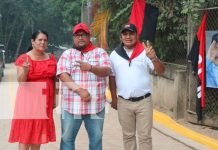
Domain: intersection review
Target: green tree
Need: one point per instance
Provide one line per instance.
(20, 18)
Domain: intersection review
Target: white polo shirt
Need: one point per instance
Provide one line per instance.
(133, 80)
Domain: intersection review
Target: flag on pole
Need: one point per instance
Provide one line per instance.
(137, 14)
(144, 16)
(197, 57)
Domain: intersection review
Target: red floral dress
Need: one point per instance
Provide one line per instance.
(33, 129)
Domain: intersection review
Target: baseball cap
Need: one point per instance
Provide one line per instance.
(215, 37)
(81, 26)
(129, 27)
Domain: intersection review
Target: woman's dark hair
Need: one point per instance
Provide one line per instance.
(34, 36)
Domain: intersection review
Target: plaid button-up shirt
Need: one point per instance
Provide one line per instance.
(96, 85)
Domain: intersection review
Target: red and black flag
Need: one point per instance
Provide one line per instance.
(197, 57)
(144, 16)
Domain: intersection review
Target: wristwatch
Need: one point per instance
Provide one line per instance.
(155, 58)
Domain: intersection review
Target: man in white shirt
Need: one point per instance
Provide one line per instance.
(130, 87)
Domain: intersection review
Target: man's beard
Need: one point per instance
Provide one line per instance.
(80, 48)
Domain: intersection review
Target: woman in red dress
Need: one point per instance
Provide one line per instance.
(33, 123)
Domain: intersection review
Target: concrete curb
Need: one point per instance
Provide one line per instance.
(168, 126)
(175, 136)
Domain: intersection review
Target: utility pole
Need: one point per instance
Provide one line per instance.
(89, 12)
(82, 11)
(1, 30)
(86, 11)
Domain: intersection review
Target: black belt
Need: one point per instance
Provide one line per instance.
(135, 99)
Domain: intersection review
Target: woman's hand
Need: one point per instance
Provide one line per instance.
(26, 65)
(22, 71)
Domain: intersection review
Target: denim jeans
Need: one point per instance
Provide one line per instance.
(70, 125)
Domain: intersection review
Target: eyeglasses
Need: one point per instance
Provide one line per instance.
(80, 35)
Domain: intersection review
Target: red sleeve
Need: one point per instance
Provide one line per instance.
(19, 61)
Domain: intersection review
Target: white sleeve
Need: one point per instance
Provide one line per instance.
(149, 63)
(112, 64)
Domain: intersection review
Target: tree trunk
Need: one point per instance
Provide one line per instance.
(10, 34)
(20, 42)
(32, 26)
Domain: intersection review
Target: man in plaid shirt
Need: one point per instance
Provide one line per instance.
(83, 70)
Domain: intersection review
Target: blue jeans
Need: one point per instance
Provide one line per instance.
(70, 125)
